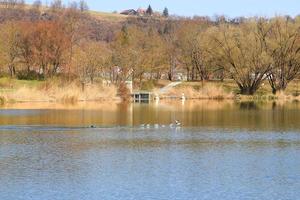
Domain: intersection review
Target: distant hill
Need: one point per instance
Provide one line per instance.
(105, 16)
(114, 17)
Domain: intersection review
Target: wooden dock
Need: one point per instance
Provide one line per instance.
(141, 97)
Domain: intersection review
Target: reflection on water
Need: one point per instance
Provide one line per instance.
(249, 105)
(225, 150)
(220, 114)
(133, 163)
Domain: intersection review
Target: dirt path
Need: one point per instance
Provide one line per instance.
(168, 87)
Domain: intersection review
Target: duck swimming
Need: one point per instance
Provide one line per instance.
(176, 124)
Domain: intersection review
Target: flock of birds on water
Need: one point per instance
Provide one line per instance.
(176, 124)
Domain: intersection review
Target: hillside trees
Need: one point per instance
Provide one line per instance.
(68, 41)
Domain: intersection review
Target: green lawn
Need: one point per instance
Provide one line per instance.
(12, 84)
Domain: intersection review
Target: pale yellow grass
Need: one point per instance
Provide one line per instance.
(91, 105)
(206, 92)
(68, 93)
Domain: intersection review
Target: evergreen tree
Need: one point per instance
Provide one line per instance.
(166, 12)
(149, 11)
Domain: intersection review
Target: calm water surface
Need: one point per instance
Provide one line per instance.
(224, 150)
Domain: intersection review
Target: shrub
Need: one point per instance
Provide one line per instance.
(147, 85)
(2, 100)
(123, 91)
(31, 75)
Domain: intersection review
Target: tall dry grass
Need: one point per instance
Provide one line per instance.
(60, 92)
(102, 105)
(206, 92)
(2, 100)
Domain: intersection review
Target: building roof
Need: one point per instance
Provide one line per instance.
(129, 12)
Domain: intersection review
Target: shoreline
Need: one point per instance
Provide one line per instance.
(107, 102)
(61, 92)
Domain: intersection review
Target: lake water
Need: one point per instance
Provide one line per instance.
(223, 150)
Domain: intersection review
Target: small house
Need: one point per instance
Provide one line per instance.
(129, 12)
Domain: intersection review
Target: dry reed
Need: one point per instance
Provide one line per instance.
(206, 92)
(57, 92)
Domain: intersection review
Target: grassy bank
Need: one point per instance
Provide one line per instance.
(227, 89)
(58, 90)
(54, 90)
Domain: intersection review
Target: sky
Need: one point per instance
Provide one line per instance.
(230, 8)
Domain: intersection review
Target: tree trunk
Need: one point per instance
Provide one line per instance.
(12, 70)
(247, 90)
(82, 86)
(170, 76)
(280, 87)
(188, 76)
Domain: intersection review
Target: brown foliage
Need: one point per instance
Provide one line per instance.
(123, 91)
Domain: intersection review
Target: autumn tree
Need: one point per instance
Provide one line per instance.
(153, 55)
(73, 22)
(126, 56)
(25, 45)
(170, 37)
(192, 43)
(50, 45)
(90, 60)
(9, 46)
(139, 54)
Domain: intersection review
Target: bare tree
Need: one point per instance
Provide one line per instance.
(242, 53)
(283, 45)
